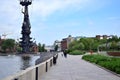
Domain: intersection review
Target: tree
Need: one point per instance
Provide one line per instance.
(56, 47)
(114, 45)
(114, 38)
(41, 47)
(88, 43)
(81, 46)
(8, 44)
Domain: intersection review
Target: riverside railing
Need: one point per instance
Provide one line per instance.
(34, 72)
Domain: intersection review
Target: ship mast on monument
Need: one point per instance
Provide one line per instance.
(26, 42)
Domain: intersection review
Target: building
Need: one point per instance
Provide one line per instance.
(1, 40)
(49, 48)
(102, 36)
(78, 37)
(105, 37)
(35, 48)
(65, 42)
(98, 37)
(57, 43)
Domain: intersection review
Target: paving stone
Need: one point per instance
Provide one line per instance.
(74, 68)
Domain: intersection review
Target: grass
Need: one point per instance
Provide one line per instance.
(110, 63)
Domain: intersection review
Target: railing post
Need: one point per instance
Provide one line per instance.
(36, 73)
(46, 66)
(51, 63)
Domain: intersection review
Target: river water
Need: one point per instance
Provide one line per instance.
(12, 64)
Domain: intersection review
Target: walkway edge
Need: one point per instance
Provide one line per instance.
(104, 68)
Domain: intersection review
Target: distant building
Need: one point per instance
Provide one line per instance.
(1, 40)
(49, 48)
(98, 37)
(57, 43)
(35, 48)
(105, 36)
(102, 36)
(65, 42)
(78, 37)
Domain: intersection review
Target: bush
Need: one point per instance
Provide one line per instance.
(76, 52)
(96, 58)
(110, 63)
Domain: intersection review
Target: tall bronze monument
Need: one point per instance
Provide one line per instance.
(26, 42)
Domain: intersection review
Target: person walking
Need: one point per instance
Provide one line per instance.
(65, 54)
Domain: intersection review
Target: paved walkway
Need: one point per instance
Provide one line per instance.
(74, 68)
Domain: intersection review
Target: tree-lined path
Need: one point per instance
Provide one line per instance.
(74, 68)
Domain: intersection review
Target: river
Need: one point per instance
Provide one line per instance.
(12, 64)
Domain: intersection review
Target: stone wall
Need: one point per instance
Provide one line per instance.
(33, 73)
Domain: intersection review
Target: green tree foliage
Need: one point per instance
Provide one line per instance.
(56, 47)
(41, 47)
(87, 44)
(113, 45)
(8, 44)
(114, 38)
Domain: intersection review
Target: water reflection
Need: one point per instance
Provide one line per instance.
(11, 64)
(26, 62)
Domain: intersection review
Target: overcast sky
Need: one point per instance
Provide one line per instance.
(56, 19)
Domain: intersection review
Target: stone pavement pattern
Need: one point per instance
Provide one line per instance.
(74, 68)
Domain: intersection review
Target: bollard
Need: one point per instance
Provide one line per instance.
(54, 60)
(16, 79)
(46, 66)
(51, 63)
(36, 78)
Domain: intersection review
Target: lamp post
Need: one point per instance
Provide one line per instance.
(107, 44)
(26, 42)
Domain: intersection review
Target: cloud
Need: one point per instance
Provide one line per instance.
(114, 18)
(90, 23)
(45, 8)
(11, 17)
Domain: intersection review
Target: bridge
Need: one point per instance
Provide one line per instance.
(70, 68)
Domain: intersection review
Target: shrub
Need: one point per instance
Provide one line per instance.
(76, 52)
(96, 58)
(110, 63)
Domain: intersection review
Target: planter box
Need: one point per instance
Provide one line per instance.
(113, 53)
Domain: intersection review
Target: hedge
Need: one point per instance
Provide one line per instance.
(76, 52)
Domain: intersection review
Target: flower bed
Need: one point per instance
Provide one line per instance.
(113, 53)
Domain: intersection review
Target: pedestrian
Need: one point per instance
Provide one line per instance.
(55, 59)
(65, 54)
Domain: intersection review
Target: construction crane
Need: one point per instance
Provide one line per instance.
(4, 35)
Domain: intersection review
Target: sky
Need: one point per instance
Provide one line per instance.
(56, 19)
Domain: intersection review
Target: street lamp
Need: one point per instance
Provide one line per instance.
(107, 45)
